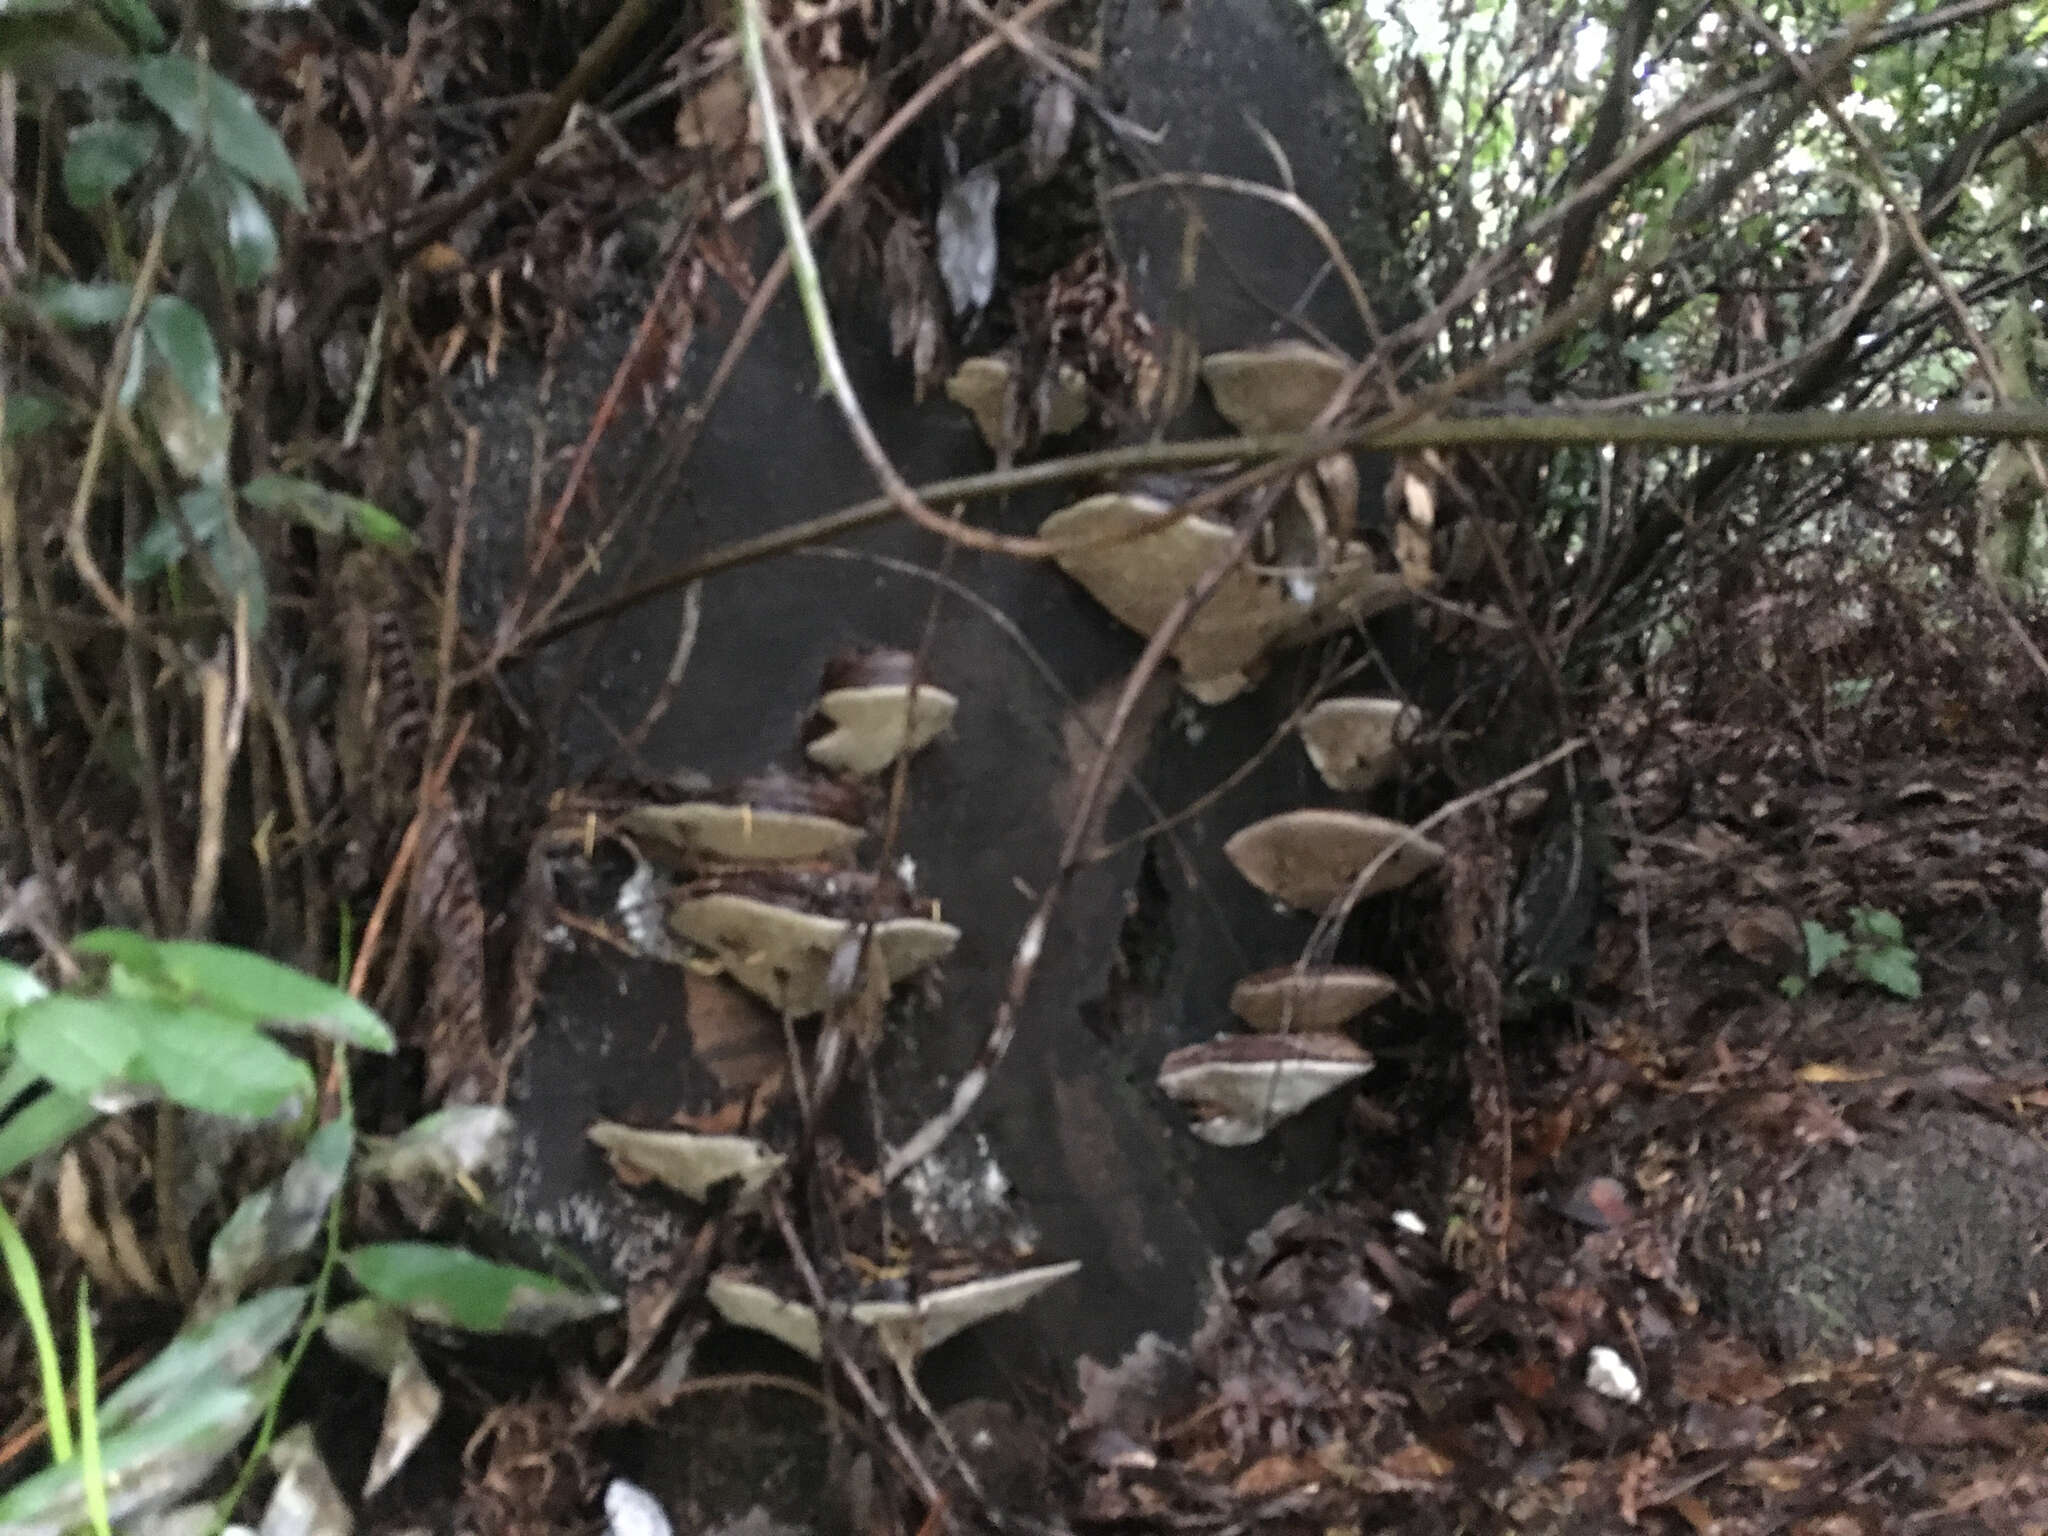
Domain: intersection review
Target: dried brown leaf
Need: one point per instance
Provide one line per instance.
(1768, 935)
(449, 910)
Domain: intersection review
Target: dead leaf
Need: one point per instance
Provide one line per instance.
(81, 1235)
(1770, 936)
(1052, 128)
(718, 116)
(1275, 1474)
(1727, 1370)
(1414, 1467)
(1782, 1475)
(1835, 1072)
(832, 93)
(439, 259)
(1695, 1513)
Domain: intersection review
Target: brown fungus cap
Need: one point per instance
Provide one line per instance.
(690, 1161)
(1309, 858)
(873, 710)
(779, 938)
(1141, 579)
(983, 386)
(774, 817)
(1354, 743)
(1308, 1001)
(1281, 387)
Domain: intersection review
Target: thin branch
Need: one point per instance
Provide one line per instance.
(810, 287)
(1752, 431)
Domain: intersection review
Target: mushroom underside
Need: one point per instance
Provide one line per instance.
(1241, 1088)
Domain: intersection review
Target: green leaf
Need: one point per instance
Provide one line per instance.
(132, 379)
(1824, 946)
(92, 1471)
(60, 46)
(463, 1141)
(234, 1346)
(1894, 968)
(35, 1128)
(243, 983)
(28, 1293)
(199, 102)
(282, 1220)
(377, 527)
(16, 1083)
(163, 543)
(125, 947)
(137, 20)
(1876, 924)
(303, 500)
(29, 413)
(220, 215)
(80, 1043)
(373, 525)
(197, 440)
(325, 511)
(220, 1066)
(183, 340)
(103, 157)
(454, 1288)
(154, 1463)
(80, 305)
(251, 237)
(241, 573)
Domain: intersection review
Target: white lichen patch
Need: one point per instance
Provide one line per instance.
(960, 1197)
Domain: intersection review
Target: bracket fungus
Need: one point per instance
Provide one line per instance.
(1140, 579)
(1280, 387)
(1309, 1001)
(779, 933)
(873, 710)
(984, 386)
(1355, 743)
(1242, 1086)
(772, 818)
(905, 1329)
(1309, 858)
(694, 1163)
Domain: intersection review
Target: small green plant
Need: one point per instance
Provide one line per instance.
(1874, 948)
(183, 1021)
(177, 172)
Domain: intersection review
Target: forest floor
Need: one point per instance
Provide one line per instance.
(1776, 1259)
(1779, 1183)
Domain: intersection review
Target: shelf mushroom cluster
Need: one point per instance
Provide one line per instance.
(770, 893)
(771, 896)
(1137, 555)
(1241, 1087)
